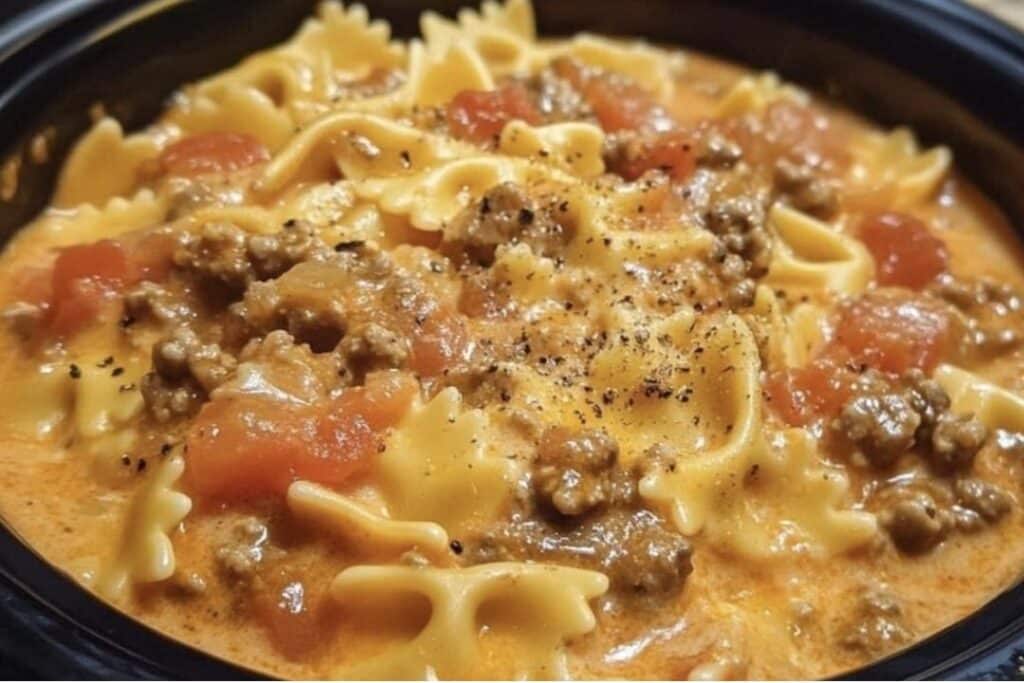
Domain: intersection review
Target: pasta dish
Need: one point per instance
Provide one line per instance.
(488, 356)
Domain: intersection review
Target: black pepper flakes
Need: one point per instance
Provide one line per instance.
(74, 371)
(117, 372)
(456, 546)
(349, 245)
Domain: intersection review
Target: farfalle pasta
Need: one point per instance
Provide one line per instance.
(480, 355)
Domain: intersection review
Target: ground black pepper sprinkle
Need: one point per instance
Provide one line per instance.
(74, 371)
(456, 546)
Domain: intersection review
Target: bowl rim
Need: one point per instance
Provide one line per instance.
(36, 40)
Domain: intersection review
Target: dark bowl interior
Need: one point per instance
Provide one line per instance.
(955, 75)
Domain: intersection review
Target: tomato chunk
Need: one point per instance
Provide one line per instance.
(802, 395)
(85, 277)
(894, 333)
(480, 115)
(440, 343)
(905, 251)
(248, 447)
(218, 152)
(668, 152)
(617, 102)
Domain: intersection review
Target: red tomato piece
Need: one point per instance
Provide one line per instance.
(240, 448)
(905, 251)
(84, 279)
(668, 152)
(802, 395)
(212, 153)
(618, 103)
(439, 344)
(480, 115)
(894, 334)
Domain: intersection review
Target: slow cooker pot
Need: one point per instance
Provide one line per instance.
(952, 73)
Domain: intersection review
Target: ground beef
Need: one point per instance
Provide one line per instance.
(277, 363)
(185, 371)
(224, 255)
(715, 150)
(504, 215)
(574, 471)
(956, 440)
(741, 252)
(888, 418)
(989, 313)
(636, 549)
(359, 304)
(373, 347)
(798, 185)
(921, 512)
(150, 301)
(243, 550)
(928, 399)
(882, 426)
(914, 521)
(585, 511)
(876, 625)
(987, 500)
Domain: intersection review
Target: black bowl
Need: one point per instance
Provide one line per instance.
(952, 73)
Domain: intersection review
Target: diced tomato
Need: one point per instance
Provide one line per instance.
(802, 395)
(104, 262)
(82, 303)
(894, 333)
(618, 103)
(85, 278)
(440, 343)
(669, 152)
(480, 115)
(218, 152)
(905, 251)
(789, 129)
(240, 448)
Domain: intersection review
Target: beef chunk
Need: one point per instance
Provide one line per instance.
(886, 419)
(881, 425)
(638, 551)
(150, 301)
(803, 189)
(185, 371)
(504, 215)
(585, 511)
(573, 471)
(987, 500)
(914, 521)
(239, 557)
(741, 252)
(990, 313)
(928, 399)
(876, 625)
(956, 439)
(225, 255)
